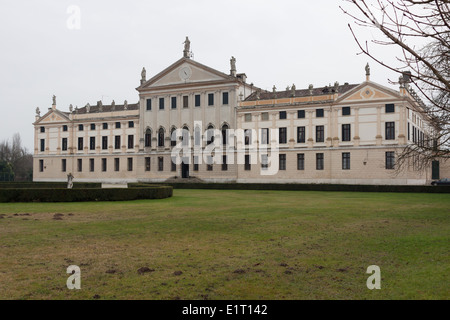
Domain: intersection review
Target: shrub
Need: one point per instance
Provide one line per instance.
(307, 187)
(48, 185)
(83, 194)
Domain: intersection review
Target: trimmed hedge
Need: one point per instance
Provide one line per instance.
(73, 195)
(306, 187)
(47, 185)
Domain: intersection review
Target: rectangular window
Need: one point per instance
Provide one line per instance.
(264, 161)
(147, 164)
(80, 143)
(104, 143)
(91, 143)
(345, 160)
(390, 130)
(42, 145)
(301, 114)
(224, 163)
(265, 136)
(42, 129)
(247, 136)
(264, 116)
(161, 103)
(185, 102)
(282, 163)
(64, 144)
(225, 98)
(283, 115)
(173, 102)
(149, 104)
(80, 127)
(130, 124)
(104, 164)
(195, 163)
(130, 164)
(319, 161)
(282, 138)
(319, 113)
(80, 165)
(346, 132)
(346, 111)
(301, 135)
(117, 125)
(210, 99)
(197, 100)
(64, 128)
(160, 164)
(130, 141)
(105, 126)
(209, 163)
(247, 165)
(91, 165)
(320, 134)
(92, 126)
(390, 108)
(390, 160)
(116, 164)
(41, 165)
(63, 165)
(300, 161)
(117, 142)
(248, 117)
(173, 165)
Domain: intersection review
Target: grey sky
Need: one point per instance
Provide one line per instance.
(274, 42)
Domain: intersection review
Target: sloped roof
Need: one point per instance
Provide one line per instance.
(266, 95)
(106, 108)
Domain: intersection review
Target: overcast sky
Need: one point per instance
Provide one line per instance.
(274, 42)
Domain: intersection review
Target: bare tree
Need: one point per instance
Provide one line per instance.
(420, 29)
(13, 155)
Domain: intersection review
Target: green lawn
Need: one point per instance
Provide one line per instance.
(211, 244)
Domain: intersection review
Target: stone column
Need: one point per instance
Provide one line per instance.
(356, 138)
(379, 137)
(310, 129)
(292, 129)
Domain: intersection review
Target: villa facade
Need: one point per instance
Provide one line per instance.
(227, 130)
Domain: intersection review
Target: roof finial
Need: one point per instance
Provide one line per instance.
(143, 76)
(187, 48)
(367, 72)
(233, 66)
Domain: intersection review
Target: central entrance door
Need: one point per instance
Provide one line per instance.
(184, 170)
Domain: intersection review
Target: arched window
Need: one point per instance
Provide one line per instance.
(173, 138)
(161, 137)
(225, 134)
(197, 136)
(148, 138)
(185, 136)
(210, 134)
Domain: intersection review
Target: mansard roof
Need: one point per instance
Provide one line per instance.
(267, 95)
(106, 108)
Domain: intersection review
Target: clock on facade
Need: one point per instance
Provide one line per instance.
(185, 73)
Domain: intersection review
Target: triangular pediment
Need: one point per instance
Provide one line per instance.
(369, 91)
(53, 115)
(185, 71)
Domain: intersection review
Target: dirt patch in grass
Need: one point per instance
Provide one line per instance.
(144, 270)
